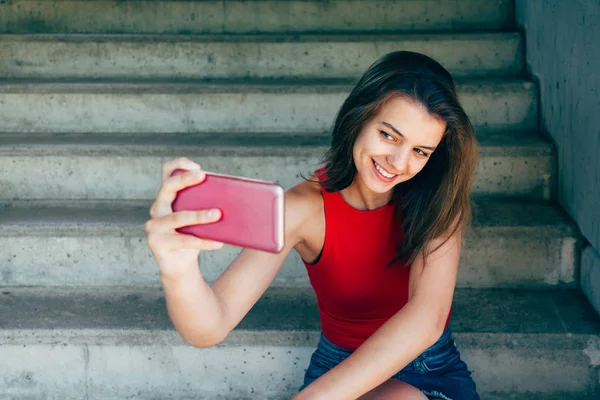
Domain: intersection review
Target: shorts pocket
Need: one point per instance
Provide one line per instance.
(440, 358)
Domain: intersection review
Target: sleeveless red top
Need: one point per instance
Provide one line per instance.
(356, 292)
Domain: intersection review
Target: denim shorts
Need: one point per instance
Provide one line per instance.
(438, 372)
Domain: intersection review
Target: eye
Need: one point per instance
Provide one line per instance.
(421, 152)
(386, 135)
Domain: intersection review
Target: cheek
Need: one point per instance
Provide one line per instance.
(416, 165)
(365, 150)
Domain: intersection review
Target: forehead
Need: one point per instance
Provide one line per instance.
(412, 120)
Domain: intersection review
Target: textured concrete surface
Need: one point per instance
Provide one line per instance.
(128, 167)
(590, 276)
(564, 57)
(281, 56)
(511, 244)
(566, 67)
(108, 342)
(198, 107)
(287, 310)
(184, 16)
(119, 342)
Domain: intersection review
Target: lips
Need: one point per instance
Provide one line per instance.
(380, 175)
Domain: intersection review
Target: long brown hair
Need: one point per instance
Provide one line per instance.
(434, 203)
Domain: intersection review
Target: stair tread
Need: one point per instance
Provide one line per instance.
(259, 38)
(560, 313)
(173, 86)
(126, 217)
(251, 16)
(269, 144)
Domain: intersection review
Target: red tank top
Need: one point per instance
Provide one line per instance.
(355, 291)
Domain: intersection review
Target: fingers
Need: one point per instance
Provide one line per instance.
(163, 240)
(171, 185)
(181, 181)
(180, 163)
(177, 241)
(172, 221)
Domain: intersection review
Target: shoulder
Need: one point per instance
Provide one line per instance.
(305, 197)
(303, 203)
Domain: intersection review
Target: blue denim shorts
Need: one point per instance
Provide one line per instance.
(438, 372)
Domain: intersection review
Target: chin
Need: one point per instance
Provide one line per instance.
(378, 186)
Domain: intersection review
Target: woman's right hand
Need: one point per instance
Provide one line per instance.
(176, 252)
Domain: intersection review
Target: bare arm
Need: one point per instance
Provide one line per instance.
(404, 336)
(205, 315)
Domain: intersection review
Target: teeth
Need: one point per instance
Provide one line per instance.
(383, 171)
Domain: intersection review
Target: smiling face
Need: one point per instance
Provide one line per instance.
(394, 146)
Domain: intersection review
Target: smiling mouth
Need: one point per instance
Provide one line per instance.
(382, 171)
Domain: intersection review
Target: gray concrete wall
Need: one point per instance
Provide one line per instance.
(563, 54)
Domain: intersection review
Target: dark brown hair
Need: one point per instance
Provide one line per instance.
(434, 203)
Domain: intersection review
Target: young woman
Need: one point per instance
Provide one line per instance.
(379, 228)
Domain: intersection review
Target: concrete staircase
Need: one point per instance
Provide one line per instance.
(96, 95)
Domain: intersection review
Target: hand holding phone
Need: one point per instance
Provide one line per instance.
(252, 211)
(177, 254)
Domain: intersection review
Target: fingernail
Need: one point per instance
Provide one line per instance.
(214, 213)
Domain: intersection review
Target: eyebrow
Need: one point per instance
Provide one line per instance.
(401, 135)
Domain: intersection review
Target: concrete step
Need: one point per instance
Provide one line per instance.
(243, 57)
(103, 243)
(98, 343)
(248, 16)
(258, 106)
(115, 166)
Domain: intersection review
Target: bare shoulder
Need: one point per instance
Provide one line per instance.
(305, 216)
(304, 198)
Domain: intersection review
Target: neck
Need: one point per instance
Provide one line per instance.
(361, 198)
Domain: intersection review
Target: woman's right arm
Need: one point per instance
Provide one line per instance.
(204, 314)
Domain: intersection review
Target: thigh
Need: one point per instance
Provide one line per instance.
(394, 390)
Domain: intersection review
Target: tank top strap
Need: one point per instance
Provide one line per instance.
(329, 198)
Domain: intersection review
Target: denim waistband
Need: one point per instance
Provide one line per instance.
(327, 345)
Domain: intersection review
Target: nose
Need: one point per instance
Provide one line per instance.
(399, 160)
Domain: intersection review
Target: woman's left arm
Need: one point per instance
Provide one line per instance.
(413, 329)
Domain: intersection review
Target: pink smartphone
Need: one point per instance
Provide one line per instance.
(252, 211)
